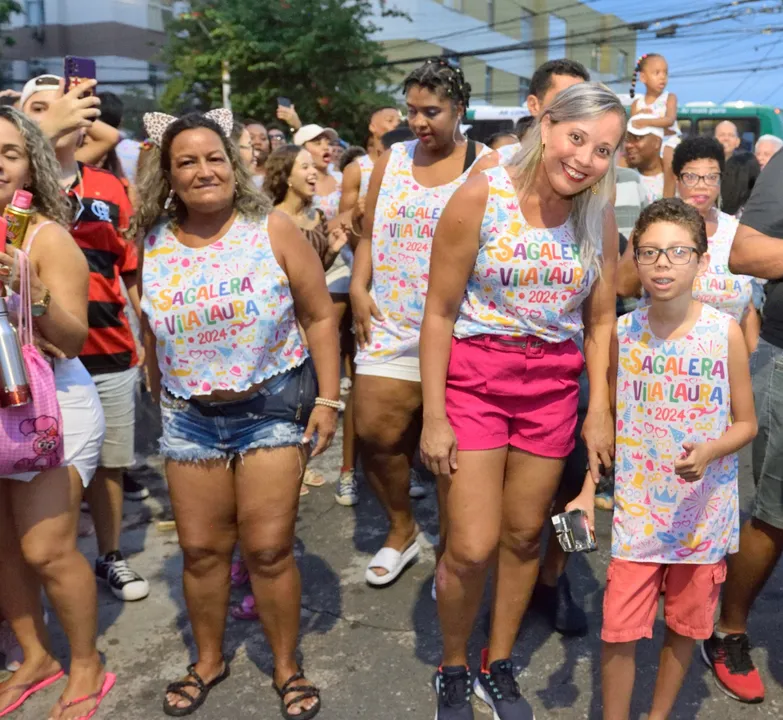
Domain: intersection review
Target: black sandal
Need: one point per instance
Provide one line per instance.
(196, 701)
(304, 692)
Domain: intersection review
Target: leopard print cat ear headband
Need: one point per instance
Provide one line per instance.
(156, 123)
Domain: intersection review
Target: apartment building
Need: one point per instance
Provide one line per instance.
(124, 37)
(547, 29)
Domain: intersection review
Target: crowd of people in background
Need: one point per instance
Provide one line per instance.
(497, 316)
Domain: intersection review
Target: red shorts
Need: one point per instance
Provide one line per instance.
(517, 391)
(634, 588)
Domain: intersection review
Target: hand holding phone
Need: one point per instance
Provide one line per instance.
(78, 70)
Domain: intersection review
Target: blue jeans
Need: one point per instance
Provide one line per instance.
(766, 366)
(191, 436)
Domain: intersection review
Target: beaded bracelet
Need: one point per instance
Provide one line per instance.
(334, 404)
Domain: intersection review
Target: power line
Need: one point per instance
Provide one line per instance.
(545, 42)
(502, 23)
(747, 77)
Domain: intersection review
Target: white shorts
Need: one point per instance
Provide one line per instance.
(404, 367)
(83, 424)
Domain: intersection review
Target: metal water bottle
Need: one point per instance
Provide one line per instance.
(14, 384)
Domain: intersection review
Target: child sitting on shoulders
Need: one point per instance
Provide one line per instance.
(653, 72)
(684, 407)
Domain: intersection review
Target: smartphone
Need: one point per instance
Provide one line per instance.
(284, 102)
(3, 233)
(77, 70)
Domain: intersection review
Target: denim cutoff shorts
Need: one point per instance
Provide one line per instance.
(191, 436)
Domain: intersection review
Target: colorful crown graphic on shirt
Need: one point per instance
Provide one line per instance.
(665, 497)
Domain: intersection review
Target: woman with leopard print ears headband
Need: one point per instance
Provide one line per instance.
(225, 279)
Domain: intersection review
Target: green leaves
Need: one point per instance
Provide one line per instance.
(299, 49)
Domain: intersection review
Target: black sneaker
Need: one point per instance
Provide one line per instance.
(497, 687)
(132, 489)
(558, 605)
(454, 691)
(116, 573)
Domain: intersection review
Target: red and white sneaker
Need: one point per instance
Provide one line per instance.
(733, 668)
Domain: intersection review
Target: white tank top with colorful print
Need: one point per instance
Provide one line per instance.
(526, 280)
(406, 215)
(670, 392)
(365, 167)
(330, 204)
(222, 315)
(718, 286)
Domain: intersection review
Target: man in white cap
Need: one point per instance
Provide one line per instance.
(75, 110)
(643, 153)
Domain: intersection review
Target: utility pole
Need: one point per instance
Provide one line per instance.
(225, 68)
(226, 77)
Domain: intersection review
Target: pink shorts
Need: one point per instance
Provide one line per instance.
(518, 391)
(634, 588)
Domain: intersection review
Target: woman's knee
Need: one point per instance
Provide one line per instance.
(469, 556)
(48, 556)
(202, 557)
(523, 540)
(269, 559)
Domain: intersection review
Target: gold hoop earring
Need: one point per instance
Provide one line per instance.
(543, 147)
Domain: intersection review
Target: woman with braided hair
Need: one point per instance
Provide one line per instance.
(410, 185)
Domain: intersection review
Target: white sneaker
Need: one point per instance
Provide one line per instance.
(418, 488)
(347, 493)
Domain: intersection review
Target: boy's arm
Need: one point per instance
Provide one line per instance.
(585, 500)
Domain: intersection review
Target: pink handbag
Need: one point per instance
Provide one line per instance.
(31, 436)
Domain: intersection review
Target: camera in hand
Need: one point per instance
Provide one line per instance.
(573, 531)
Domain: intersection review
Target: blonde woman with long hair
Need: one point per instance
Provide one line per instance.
(523, 261)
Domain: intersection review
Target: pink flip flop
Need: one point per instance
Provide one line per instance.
(108, 683)
(30, 689)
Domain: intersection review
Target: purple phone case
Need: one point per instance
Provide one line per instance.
(78, 69)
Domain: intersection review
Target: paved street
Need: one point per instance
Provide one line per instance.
(371, 651)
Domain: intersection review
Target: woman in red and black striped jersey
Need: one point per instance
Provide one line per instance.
(39, 511)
